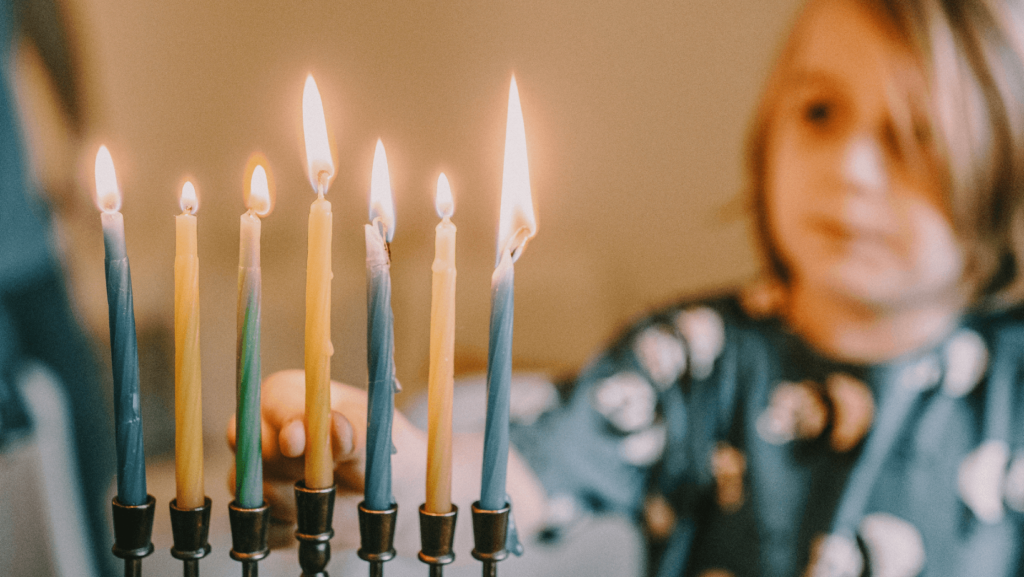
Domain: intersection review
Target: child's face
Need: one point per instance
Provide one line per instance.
(854, 207)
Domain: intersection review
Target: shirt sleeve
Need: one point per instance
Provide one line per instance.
(595, 449)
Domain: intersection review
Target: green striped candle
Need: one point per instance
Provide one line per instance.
(248, 456)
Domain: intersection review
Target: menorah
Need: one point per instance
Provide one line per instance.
(133, 529)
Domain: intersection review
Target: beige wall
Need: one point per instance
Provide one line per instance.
(635, 116)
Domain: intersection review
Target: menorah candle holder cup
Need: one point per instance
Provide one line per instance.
(133, 532)
(437, 533)
(249, 536)
(315, 509)
(191, 530)
(377, 537)
(490, 531)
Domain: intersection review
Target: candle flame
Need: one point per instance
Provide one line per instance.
(319, 163)
(108, 197)
(443, 201)
(259, 192)
(188, 200)
(517, 223)
(381, 204)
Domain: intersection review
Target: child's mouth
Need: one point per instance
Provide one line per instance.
(845, 234)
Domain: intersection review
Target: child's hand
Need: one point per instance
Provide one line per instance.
(284, 440)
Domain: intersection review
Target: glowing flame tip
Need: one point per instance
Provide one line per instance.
(443, 202)
(319, 162)
(381, 204)
(259, 192)
(188, 200)
(518, 222)
(108, 196)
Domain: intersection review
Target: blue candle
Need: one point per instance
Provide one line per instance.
(517, 224)
(131, 460)
(499, 379)
(380, 338)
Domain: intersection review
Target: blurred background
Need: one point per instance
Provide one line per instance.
(635, 113)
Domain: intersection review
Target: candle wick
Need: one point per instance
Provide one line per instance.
(321, 183)
(382, 230)
(517, 243)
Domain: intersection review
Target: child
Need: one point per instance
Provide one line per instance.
(861, 413)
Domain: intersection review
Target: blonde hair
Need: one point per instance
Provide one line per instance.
(972, 53)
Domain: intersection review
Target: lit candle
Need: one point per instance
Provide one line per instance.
(380, 337)
(442, 356)
(131, 461)
(320, 167)
(248, 456)
(188, 379)
(517, 225)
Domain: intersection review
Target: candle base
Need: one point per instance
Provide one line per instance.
(490, 531)
(133, 531)
(315, 515)
(377, 537)
(249, 536)
(437, 532)
(191, 530)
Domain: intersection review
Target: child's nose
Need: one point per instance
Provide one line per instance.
(864, 167)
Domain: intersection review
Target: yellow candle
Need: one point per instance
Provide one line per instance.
(320, 166)
(188, 401)
(442, 356)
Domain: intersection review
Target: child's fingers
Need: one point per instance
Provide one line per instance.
(292, 439)
(231, 432)
(283, 397)
(231, 481)
(342, 438)
(268, 440)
